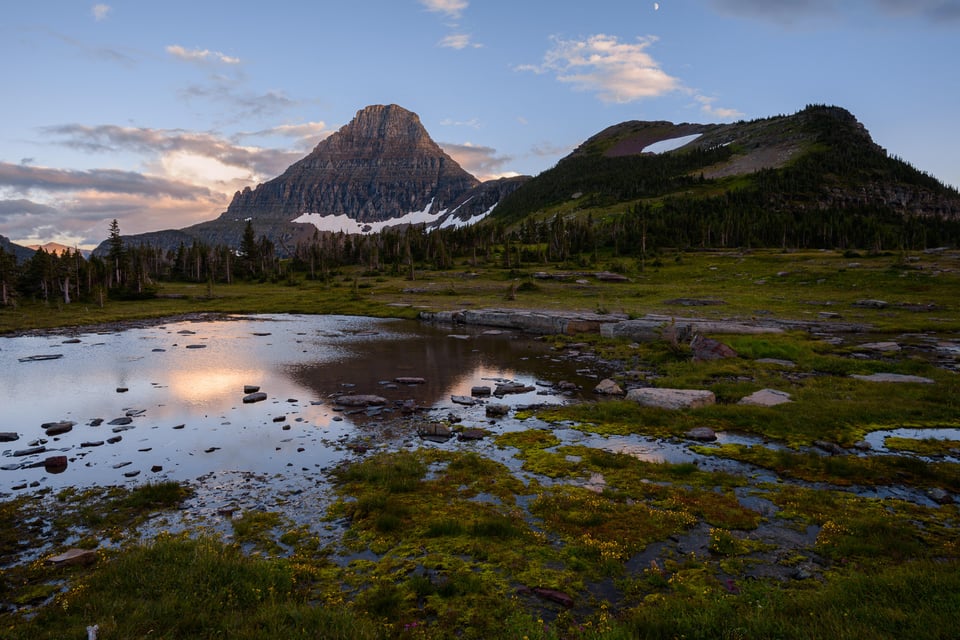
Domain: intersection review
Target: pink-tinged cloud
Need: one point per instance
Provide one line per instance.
(617, 72)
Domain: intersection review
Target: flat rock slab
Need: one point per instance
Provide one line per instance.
(464, 400)
(672, 398)
(893, 377)
(886, 347)
(766, 398)
(9, 436)
(360, 401)
(74, 557)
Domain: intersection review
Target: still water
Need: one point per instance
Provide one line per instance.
(182, 385)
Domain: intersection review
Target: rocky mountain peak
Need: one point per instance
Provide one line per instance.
(381, 165)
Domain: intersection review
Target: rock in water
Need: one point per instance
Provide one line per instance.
(250, 398)
(360, 401)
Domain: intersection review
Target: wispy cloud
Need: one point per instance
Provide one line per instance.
(24, 179)
(707, 107)
(616, 71)
(458, 41)
(100, 11)
(482, 162)
(473, 123)
(451, 8)
(200, 55)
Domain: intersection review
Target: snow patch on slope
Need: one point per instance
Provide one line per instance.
(346, 224)
(669, 145)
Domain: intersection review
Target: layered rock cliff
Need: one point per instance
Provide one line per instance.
(382, 165)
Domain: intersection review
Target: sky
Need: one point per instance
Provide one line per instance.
(155, 113)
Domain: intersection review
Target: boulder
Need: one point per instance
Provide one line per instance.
(766, 398)
(672, 398)
(472, 434)
(55, 464)
(702, 434)
(505, 388)
(608, 387)
(710, 349)
(250, 398)
(56, 428)
(480, 392)
(497, 410)
(250, 388)
(9, 436)
(436, 431)
(464, 400)
(360, 400)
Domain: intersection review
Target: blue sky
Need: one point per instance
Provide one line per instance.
(155, 113)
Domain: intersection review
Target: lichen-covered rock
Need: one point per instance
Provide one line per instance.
(608, 387)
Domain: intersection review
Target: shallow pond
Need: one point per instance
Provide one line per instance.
(182, 387)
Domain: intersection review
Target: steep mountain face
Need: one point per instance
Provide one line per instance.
(382, 165)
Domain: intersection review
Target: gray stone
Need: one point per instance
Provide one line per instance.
(709, 349)
(672, 398)
(29, 452)
(481, 391)
(250, 388)
(766, 398)
(434, 431)
(360, 400)
(497, 410)
(9, 436)
(409, 380)
(608, 388)
(125, 420)
(703, 434)
(886, 347)
(939, 496)
(871, 304)
(73, 557)
(254, 397)
(893, 377)
(775, 361)
(464, 400)
(505, 388)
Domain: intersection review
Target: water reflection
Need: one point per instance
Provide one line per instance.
(183, 384)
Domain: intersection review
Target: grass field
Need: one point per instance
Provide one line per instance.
(785, 541)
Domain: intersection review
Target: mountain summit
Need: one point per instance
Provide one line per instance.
(382, 165)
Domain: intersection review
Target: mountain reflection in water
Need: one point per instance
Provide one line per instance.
(188, 378)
